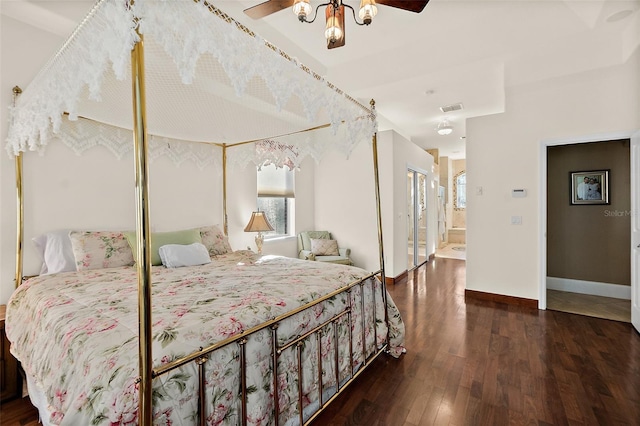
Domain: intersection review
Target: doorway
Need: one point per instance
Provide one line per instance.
(416, 218)
(587, 263)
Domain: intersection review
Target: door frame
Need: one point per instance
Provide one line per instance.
(542, 240)
(411, 168)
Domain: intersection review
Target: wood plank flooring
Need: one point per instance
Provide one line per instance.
(486, 363)
(482, 363)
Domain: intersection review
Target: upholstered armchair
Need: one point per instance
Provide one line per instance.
(318, 245)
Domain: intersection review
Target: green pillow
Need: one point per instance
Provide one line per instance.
(159, 239)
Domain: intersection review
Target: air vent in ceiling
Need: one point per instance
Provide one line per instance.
(452, 107)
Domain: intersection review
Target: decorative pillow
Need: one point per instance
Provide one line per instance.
(56, 252)
(100, 249)
(214, 240)
(177, 255)
(323, 247)
(159, 239)
(308, 235)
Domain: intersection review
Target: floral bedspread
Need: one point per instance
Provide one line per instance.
(76, 334)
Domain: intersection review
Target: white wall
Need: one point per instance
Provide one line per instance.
(503, 152)
(345, 203)
(408, 155)
(345, 200)
(24, 51)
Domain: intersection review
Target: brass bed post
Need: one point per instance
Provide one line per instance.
(376, 178)
(19, 205)
(143, 253)
(225, 224)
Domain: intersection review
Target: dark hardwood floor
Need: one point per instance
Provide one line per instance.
(482, 363)
(487, 363)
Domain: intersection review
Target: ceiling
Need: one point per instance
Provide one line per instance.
(455, 51)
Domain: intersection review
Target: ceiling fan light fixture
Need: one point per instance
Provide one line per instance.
(334, 30)
(444, 128)
(368, 10)
(301, 8)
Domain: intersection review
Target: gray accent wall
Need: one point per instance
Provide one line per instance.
(589, 242)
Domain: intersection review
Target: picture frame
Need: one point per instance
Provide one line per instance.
(590, 187)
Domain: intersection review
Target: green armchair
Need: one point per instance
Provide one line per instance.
(319, 246)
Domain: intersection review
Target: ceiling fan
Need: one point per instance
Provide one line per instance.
(334, 13)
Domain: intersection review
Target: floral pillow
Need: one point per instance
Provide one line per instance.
(214, 240)
(100, 249)
(324, 247)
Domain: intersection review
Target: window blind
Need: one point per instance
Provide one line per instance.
(275, 182)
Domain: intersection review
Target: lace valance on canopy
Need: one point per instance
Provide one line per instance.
(208, 79)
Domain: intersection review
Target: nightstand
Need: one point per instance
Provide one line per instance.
(9, 376)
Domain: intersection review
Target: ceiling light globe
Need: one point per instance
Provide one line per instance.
(333, 33)
(444, 128)
(368, 10)
(302, 8)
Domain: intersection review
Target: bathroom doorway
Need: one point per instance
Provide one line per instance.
(416, 218)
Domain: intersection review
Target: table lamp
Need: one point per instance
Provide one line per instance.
(258, 223)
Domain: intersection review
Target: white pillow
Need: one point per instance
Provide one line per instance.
(324, 247)
(178, 255)
(56, 252)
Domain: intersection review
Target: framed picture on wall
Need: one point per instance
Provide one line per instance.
(590, 187)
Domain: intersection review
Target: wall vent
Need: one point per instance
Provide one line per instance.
(452, 107)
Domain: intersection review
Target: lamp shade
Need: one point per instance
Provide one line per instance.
(258, 223)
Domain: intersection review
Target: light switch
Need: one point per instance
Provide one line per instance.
(516, 220)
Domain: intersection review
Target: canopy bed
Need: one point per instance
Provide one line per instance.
(235, 338)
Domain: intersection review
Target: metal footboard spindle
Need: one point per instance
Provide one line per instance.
(274, 360)
(300, 387)
(243, 378)
(349, 322)
(363, 319)
(336, 353)
(202, 399)
(319, 354)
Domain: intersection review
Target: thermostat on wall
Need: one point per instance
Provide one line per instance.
(518, 193)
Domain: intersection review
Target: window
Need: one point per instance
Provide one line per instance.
(460, 191)
(276, 198)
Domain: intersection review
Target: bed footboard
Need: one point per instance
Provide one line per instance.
(288, 369)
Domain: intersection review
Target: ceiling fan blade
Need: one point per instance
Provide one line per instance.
(267, 8)
(339, 16)
(411, 5)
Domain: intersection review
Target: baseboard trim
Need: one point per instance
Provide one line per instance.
(392, 280)
(616, 291)
(500, 298)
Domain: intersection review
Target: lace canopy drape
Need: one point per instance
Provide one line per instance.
(209, 79)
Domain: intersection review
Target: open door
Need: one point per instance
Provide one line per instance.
(635, 231)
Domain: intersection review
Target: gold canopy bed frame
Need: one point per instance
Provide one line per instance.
(35, 140)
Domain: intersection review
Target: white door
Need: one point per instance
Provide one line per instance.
(635, 231)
